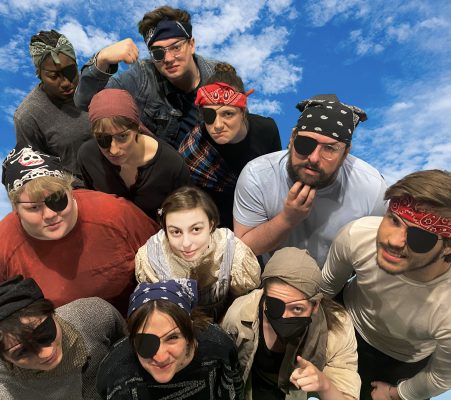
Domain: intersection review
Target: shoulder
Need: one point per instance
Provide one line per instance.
(119, 366)
(268, 165)
(362, 171)
(12, 233)
(265, 125)
(35, 99)
(244, 308)
(169, 154)
(88, 313)
(214, 343)
(88, 150)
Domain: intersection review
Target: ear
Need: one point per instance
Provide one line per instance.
(348, 149)
(293, 135)
(316, 307)
(192, 44)
(447, 250)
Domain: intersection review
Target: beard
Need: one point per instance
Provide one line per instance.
(296, 173)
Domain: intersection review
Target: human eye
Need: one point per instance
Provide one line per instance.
(121, 137)
(228, 114)
(329, 148)
(173, 337)
(198, 229)
(175, 232)
(33, 207)
(176, 47)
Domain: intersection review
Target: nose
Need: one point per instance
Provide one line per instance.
(45, 352)
(218, 124)
(186, 242)
(398, 237)
(48, 213)
(65, 83)
(314, 157)
(114, 148)
(168, 57)
(161, 355)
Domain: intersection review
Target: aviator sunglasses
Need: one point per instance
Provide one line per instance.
(41, 336)
(56, 201)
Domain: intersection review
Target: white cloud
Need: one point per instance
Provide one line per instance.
(14, 46)
(87, 39)
(264, 106)
(413, 135)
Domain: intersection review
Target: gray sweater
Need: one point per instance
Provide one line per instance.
(54, 128)
(89, 327)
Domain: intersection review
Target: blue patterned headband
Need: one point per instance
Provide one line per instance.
(168, 29)
(182, 292)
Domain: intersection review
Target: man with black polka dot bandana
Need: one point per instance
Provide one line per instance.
(302, 196)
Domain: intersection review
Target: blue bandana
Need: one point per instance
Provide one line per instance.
(167, 29)
(182, 292)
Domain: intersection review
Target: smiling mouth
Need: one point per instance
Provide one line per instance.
(49, 360)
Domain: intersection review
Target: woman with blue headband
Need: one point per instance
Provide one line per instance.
(172, 352)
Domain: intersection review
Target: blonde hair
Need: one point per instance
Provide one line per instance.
(38, 187)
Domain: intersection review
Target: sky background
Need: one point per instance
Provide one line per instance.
(391, 58)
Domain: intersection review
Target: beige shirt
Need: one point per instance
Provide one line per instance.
(242, 323)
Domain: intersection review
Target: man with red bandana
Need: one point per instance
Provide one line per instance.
(164, 86)
(398, 298)
(302, 196)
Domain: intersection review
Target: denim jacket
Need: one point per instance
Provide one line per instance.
(158, 100)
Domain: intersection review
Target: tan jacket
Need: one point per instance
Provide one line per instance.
(242, 323)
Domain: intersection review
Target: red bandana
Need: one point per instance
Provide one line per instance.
(409, 209)
(221, 93)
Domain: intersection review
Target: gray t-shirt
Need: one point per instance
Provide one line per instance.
(263, 186)
(54, 128)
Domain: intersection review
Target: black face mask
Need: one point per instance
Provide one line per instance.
(285, 328)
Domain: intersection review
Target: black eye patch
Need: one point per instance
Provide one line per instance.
(274, 307)
(70, 72)
(208, 115)
(304, 145)
(146, 344)
(419, 240)
(57, 201)
(104, 141)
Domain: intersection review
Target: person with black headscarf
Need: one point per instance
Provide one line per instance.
(302, 196)
(52, 354)
(47, 118)
(292, 341)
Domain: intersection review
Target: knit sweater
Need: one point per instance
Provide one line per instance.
(89, 328)
(54, 128)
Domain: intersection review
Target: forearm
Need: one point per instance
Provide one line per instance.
(267, 236)
(421, 386)
(332, 393)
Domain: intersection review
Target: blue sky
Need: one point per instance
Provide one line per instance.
(391, 58)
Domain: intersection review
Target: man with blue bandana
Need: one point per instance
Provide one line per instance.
(163, 86)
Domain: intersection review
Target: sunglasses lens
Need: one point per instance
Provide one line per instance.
(104, 141)
(146, 344)
(419, 240)
(57, 201)
(304, 145)
(45, 333)
(209, 115)
(70, 72)
(157, 54)
(274, 307)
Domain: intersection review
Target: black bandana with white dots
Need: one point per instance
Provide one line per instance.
(328, 116)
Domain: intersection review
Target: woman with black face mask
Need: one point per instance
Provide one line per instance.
(290, 340)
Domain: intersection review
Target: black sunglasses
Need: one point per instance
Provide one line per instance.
(41, 336)
(421, 241)
(57, 201)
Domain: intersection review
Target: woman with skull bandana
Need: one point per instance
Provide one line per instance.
(290, 340)
(48, 119)
(172, 352)
(52, 354)
(227, 139)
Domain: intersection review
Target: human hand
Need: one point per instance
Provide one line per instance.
(125, 50)
(298, 203)
(384, 391)
(309, 378)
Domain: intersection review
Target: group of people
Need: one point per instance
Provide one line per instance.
(163, 245)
